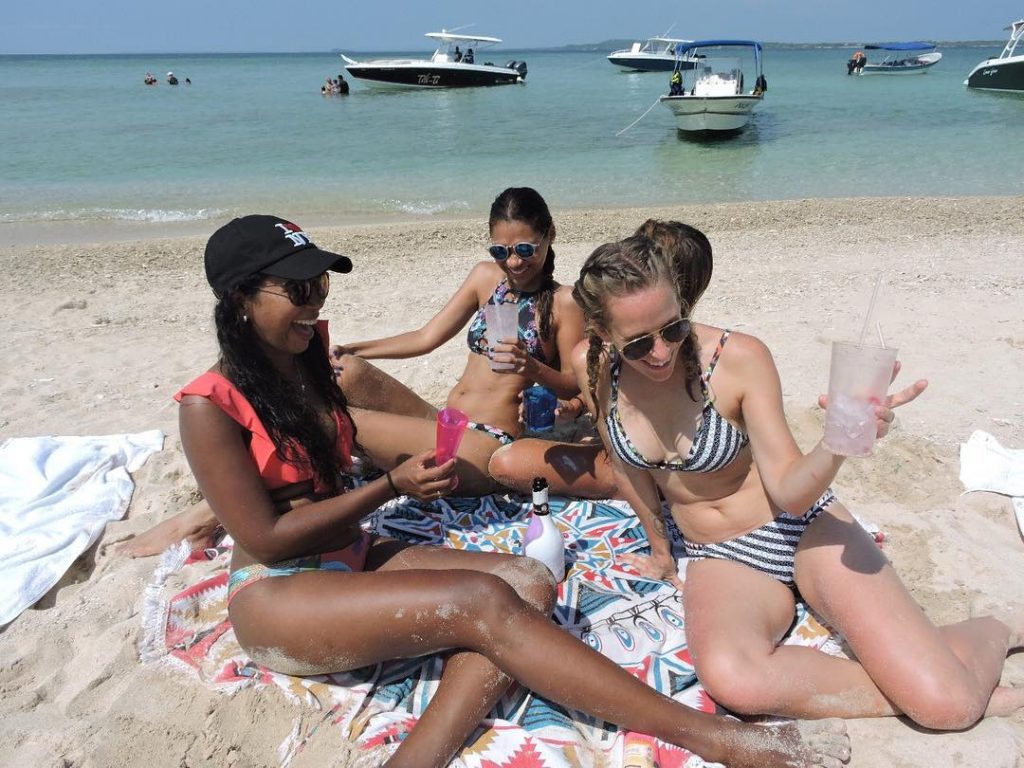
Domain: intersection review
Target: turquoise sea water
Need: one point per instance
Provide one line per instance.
(84, 140)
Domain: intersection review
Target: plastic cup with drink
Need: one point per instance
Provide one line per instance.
(451, 426)
(539, 408)
(502, 323)
(858, 382)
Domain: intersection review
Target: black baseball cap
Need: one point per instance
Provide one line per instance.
(268, 245)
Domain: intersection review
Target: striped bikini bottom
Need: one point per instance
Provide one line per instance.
(769, 549)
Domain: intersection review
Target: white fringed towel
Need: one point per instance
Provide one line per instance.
(56, 496)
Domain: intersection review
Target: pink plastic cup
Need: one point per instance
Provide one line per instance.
(451, 426)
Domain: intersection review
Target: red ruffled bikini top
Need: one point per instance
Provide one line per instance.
(274, 472)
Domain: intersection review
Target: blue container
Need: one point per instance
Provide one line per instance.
(539, 408)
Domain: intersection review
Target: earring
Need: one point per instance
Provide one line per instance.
(245, 318)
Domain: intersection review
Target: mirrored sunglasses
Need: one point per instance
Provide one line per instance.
(522, 250)
(672, 333)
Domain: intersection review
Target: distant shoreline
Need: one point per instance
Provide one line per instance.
(605, 46)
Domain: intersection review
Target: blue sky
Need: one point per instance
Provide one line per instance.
(143, 26)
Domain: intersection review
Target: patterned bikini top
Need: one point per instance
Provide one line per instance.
(529, 334)
(716, 443)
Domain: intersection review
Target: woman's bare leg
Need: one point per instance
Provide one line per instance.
(391, 439)
(333, 621)
(367, 386)
(580, 470)
(942, 678)
(470, 685)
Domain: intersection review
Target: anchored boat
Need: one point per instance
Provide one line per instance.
(716, 97)
(1006, 71)
(899, 59)
(449, 67)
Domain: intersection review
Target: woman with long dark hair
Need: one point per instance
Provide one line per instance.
(311, 593)
(520, 270)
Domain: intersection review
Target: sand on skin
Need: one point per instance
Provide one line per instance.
(97, 337)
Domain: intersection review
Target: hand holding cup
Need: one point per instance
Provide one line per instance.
(873, 417)
(423, 478)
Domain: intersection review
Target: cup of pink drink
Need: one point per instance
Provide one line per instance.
(451, 426)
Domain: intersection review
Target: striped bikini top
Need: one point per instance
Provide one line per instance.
(716, 443)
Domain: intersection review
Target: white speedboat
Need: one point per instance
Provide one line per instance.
(656, 54)
(713, 98)
(899, 59)
(449, 67)
(1006, 71)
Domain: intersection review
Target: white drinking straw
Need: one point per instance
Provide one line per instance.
(871, 310)
(881, 338)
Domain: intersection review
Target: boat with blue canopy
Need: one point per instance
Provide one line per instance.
(713, 97)
(910, 58)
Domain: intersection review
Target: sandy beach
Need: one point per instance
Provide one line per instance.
(99, 335)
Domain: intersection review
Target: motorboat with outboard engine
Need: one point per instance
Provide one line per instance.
(656, 54)
(710, 99)
(910, 58)
(1006, 71)
(448, 67)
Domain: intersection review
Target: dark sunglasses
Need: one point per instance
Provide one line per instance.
(299, 292)
(522, 250)
(672, 333)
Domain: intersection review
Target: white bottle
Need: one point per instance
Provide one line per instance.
(543, 540)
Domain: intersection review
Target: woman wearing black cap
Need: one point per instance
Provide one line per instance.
(311, 593)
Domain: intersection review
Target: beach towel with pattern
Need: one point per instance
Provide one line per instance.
(635, 622)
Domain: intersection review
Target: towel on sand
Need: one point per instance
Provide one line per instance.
(56, 495)
(637, 623)
(985, 465)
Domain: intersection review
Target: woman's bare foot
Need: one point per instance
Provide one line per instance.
(196, 525)
(1011, 616)
(799, 744)
(1005, 701)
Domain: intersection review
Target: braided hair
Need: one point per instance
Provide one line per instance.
(691, 250)
(525, 204)
(291, 420)
(620, 269)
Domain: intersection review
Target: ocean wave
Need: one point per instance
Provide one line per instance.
(150, 215)
(424, 207)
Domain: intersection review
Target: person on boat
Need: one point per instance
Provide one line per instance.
(675, 87)
(521, 270)
(692, 415)
(311, 593)
(856, 63)
(469, 58)
(458, 54)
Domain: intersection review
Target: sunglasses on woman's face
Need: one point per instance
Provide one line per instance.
(300, 292)
(522, 250)
(672, 333)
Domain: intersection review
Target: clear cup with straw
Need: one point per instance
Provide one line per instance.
(858, 382)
